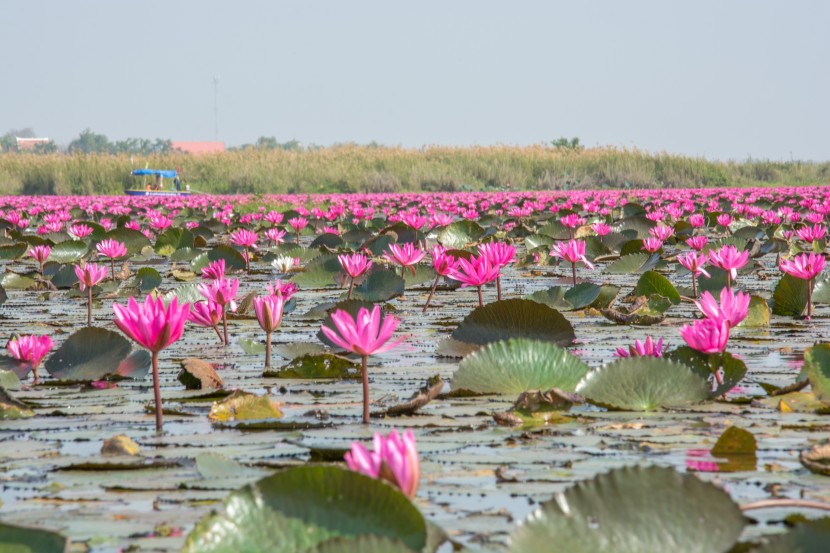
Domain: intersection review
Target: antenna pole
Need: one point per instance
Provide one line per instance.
(216, 106)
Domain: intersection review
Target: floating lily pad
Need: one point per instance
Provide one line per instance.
(643, 384)
(88, 354)
(9, 380)
(301, 507)
(185, 293)
(379, 286)
(633, 263)
(790, 297)
(19, 539)
(64, 277)
(12, 408)
(13, 251)
(552, 297)
(325, 365)
(758, 315)
(173, 239)
(731, 369)
(460, 234)
(817, 369)
(233, 259)
(244, 406)
(362, 544)
(319, 273)
(582, 295)
(617, 511)
(197, 374)
(654, 284)
(14, 281)
(806, 537)
(517, 365)
(514, 318)
(68, 251)
(147, 279)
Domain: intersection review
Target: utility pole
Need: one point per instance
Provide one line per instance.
(216, 106)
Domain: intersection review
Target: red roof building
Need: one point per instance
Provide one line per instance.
(29, 144)
(199, 147)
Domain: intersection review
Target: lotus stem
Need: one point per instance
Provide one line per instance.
(694, 286)
(219, 334)
(573, 272)
(498, 287)
(157, 391)
(773, 503)
(267, 350)
(89, 306)
(480, 298)
(365, 375)
(112, 268)
(728, 280)
(351, 285)
(809, 299)
(225, 323)
(431, 293)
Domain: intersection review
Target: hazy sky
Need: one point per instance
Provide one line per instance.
(720, 78)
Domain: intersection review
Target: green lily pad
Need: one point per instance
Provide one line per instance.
(552, 297)
(324, 365)
(362, 544)
(296, 509)
(714, 283)
(134, 240)
(704, 365)
(582, 295)
(735, 441)
(18, 539)
(537, 240)
(233, 259)
(514, 318)
(12, 408)
(68, 251)
(379, 286)
(643, 384)
(319, 273)
(173, 239)
(518, 365)
(759, 313)
(607, 294)
(14, 281)
(65, 277)
(633, 263)
(460, 234)
(185, 293)
(13, 251)
(653, 283)
(806, 537)
(9, 380)
(618, 511)
(147, 279)
(790, 297)
(817, 369)
(88, 354)
(185, 254)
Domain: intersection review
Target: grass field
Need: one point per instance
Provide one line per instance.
(387, 169)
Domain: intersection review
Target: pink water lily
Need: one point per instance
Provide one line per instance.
(500, 254)
(652, 245)
(207, 314)
(476, 271)
(215, 270)
(222, 291)
(245, 239)
(368, 333)
(806, 266)
(646, 348)
(355, 265)
(89, 274)
(30, 349)
(405, 255)
(80, 231)
(113, 249)
(733, 307)
(694, 263)
(697, 243)
(40, 254)
(572, 251)
(443, 263)
(269, 310)
(706, 335)
(154, 326)
(729, 259)
(811, 233)
(394, 459)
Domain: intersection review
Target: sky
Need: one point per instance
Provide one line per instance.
(724, 79)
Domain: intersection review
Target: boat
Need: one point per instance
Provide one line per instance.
(156, 188)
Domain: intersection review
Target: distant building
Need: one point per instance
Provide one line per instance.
(199, 147)
(29, 144)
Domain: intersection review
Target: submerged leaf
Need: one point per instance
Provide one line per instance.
(244, 406)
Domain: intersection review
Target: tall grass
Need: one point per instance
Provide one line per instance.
(388, 169)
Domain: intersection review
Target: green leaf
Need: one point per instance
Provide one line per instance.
(633, 510)
(705, 365)
(13, 251)
(324, 365)
(790, 297)
(518, 365)
(821, 291)
(653, 283)
(319, 273)
(817, 369)
(244, 406)
(12, 408)
(806, 537)
(537, 240)
(88, 354)
(134, 240)
(9, 380)
(65, 277)
(759, 313)
(233, 259)
(735, 441)
(147, 279)
(362, 544)
(298, 508)
(643, 384)
(185, 293)
(552, 297)
(68, 251)
(328, 240)
(514, 318)
(379, 286)
(172, 239)
(713, 284)
(185, 254)
(460, 234)
(633, 263)
(14, 281)
(582, 295)
(18, 539)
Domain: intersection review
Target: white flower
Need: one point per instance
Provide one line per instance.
(283, 263)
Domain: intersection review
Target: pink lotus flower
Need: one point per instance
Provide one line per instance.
(661, 232)
(733, 308)
(30, 349)
(499, 254)
(724, 220)
(706, 335)
(273, 217)
(286, 290)
(394, 459)
(476, 271)
(406, 255)
(111, 248)
(444, 264)
(729, 259)
(440, 220)
(697, 243)
(89, 274)
(694, 263)
(811, 234)
(269, 311)
(601, 229)
(572, 251)
(207, 314)
(80, 231)
(367, 334)
(215, 270)
(160, 222)
(652, 245)
(642, 349)
(154, 326)
(275, 235)
(354, 265)
(222, 291)
(40, 254)
(806, 266)
(298, 224)
(572, 220)
(697, 220)
(243, 238)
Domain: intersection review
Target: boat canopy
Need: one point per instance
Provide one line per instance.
(167, 174)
